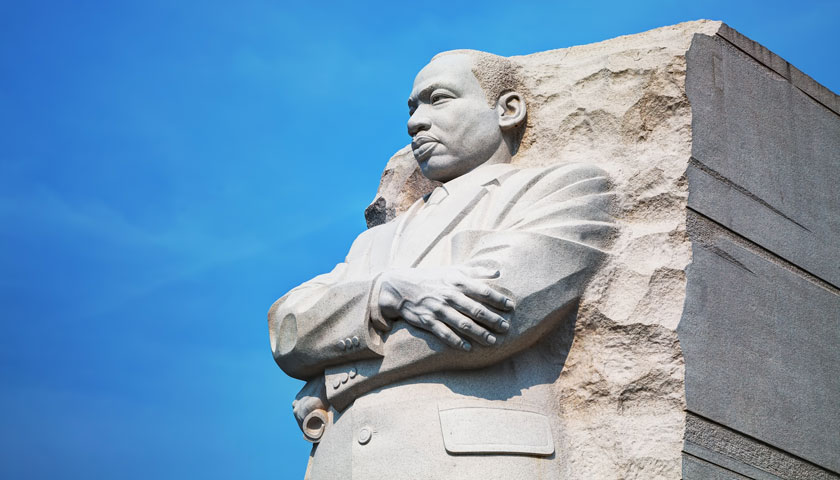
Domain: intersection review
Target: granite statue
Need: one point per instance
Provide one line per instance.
(428, 352)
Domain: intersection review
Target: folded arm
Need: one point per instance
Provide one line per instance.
(458, 303)
(325, 321)
(551, 235)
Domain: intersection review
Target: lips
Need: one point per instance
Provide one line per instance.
(423, 146)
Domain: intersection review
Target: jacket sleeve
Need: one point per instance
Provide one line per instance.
(547, 232)
(325, 321)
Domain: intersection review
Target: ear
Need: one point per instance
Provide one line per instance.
(511, 110)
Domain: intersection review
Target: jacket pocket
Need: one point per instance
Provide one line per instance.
(474, 427)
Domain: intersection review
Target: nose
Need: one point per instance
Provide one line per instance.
(417, 123)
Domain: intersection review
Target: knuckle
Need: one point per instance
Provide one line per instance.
(465, 326)
(430, 307)
(477, 312)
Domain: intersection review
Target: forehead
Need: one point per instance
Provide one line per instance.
(448, 71)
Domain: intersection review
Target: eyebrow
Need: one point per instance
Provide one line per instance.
(427, 91)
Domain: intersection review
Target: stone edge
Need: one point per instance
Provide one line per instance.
(742, 454)
(777, 64)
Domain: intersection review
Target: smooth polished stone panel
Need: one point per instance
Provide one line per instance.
(761, 54)
(698, 469)
(760, 341)
(766, 155)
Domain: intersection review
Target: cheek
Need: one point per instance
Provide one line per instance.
(468, 128)
(483, 127)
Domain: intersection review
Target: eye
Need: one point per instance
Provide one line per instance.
(438, 97)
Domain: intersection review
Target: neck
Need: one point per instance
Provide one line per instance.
(503, 154)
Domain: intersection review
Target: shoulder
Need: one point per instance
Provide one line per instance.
(365, 241)
(556, 198)
(572, 178)
(566, 173)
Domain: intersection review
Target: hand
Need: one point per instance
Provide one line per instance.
(309, 401)
(450, 303)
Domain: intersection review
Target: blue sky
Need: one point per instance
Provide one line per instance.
(168, 169)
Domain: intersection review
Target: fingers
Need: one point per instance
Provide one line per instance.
(479, 313)
(479, 291)
(466, 326)
(431, 324)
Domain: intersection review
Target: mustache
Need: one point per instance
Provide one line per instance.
(422, 139)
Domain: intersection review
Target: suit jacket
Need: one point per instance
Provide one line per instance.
(421, 409)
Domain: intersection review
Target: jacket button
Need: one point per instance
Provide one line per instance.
(342, 345)
(344, 377)
(364, 435)
(353, 372)
(336, 383)
(355, 341)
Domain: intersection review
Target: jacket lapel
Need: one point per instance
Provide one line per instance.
(421, 231)
(397, 240)
(432, 218)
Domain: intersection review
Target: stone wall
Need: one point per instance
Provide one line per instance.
(724, 157)
(761, 326)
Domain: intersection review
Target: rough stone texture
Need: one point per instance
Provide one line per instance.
(401, 184)
(375, 339)
(736, 452)
(620, 104)
(623, 105)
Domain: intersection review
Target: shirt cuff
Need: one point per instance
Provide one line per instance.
(379, 322)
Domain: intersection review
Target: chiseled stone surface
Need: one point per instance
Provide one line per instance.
(745, 265)
(401, 185)
(428, 352)
(620, 104)
(698, 107)
(740, 455)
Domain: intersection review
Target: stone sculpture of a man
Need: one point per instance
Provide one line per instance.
(432, 345)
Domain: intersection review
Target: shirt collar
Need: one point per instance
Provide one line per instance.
(479, 176)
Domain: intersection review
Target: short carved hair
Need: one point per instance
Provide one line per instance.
(497, 75)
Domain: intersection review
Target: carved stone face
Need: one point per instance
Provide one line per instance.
(453, 129)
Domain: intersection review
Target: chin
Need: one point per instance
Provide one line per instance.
(439, 170)
(435, 174)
